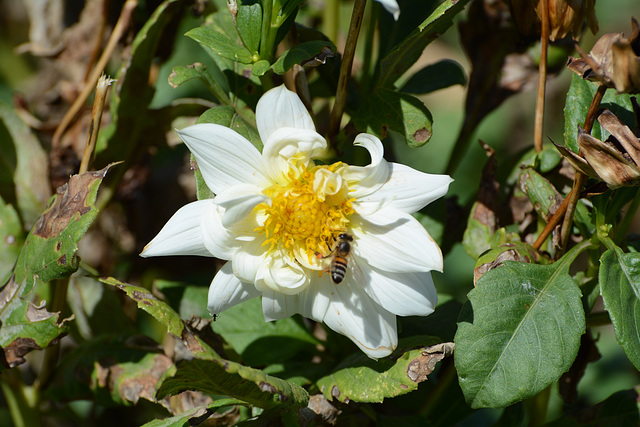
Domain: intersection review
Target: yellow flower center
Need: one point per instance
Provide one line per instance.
(307, 213)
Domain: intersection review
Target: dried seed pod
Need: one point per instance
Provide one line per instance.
(565, 16)
(615, 161)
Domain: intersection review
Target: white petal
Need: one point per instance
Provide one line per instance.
(353, 314)
(278, 108)
(406, 189)
(224, 157)
(218, 239)
(248, 259)
(364, 180)
(394, 241)
(287, 147)
(238, 201)
(403, 294)
(182, 234)
(312, 302)
(280, 275)
(227, 290)
(392, 7)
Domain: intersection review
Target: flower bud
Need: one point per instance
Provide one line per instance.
(615, 161)
(614, 61)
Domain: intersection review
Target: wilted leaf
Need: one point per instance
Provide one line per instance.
(620, 288)
(200, 414)
(361, 379)
(400, 112)
(519, 331)
(228, 378)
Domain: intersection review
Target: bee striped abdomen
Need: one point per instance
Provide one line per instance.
(338, 269)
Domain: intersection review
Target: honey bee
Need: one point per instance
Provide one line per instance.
(340, 253)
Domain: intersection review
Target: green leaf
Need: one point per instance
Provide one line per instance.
(260, 68)
(440, 75)
(400, 112)
(407, 52)
(221, 44)
(519, 331)
(361, 379)
(249, 24)
(579, 97)
(540, 191)
(224, 377)
(194, 416)
(189, 300)
(620, 288)
(24, 177)
(260, 342)
(12, 236)
(304, 53)
(228, 117)
(183, 73)
(160, 310)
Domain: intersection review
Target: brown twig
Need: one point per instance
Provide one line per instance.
(96, 115)
(542, 78)
(118, 31)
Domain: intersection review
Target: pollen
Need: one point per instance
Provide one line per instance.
(307, 213)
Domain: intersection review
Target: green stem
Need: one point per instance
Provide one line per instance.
(266, 40)
(538, 406)
(621, 229)
(331, 19)
(51, 353)
(345, 68)
(367, 56)
(22, 414)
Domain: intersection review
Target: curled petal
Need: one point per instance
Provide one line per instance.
(182, 234)
(238, 201)
(218, 239)
(353, 314)
(277, 274)
(247, 261)
(281, 108)
(406, 189)
(364, 180)
(290, 147)
(224, 157)
(226, 290)
(403, 294)
(312, 303)
(395, 242)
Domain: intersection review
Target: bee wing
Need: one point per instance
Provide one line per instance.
(357, 276)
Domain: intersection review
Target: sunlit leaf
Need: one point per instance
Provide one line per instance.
(221, 44)
(400, 112)
(183, 73)
(620, 288)
(249, 24)
(361, 379)
(519, 331)
(228, 378)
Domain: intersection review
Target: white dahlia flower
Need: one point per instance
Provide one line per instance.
(392, 7)
(277, 218)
